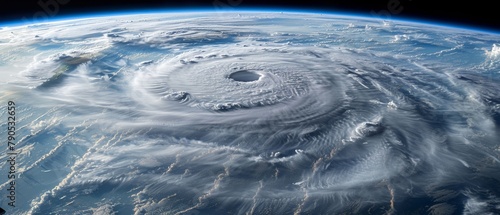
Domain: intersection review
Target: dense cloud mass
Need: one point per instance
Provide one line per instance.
(251, 113)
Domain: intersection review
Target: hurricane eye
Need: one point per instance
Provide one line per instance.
(245, 76)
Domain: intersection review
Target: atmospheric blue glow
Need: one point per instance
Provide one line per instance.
(353, 14)
(250, 112)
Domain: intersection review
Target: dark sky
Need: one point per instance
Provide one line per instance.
(478, 14)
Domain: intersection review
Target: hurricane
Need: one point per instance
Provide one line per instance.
(251, 113)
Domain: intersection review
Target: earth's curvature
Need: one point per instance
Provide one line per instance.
(251, 113)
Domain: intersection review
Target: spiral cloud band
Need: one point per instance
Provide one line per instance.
(252, 113)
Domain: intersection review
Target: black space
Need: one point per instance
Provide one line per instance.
(476, 14)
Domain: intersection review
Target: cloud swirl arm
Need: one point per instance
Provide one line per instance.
(253, 113)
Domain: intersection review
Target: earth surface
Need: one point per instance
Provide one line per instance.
(251, 113)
